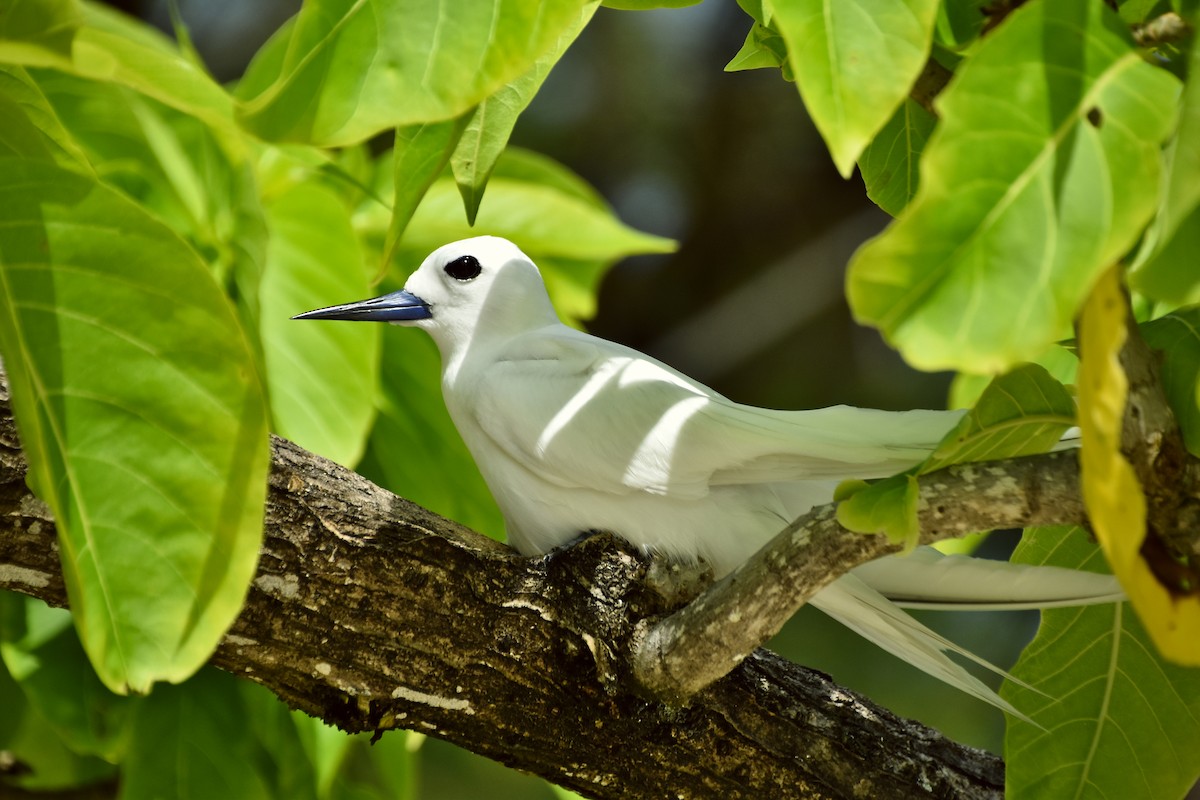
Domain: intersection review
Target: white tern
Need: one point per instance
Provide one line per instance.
(574, 433)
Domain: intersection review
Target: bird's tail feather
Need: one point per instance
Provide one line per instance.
(928, 579)
(856, 605)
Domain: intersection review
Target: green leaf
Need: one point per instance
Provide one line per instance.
(492, 122)
(347, 69)
(542, 220)
(1166, 268)
(113, 47)
(854, 62)
(43, 655)
(31, 127)
(1112, 719)
(960, 22)
(764, 47)
(1177, 335)
(141, 410)
(1060, 362)
(192, 741)
(38, 32)
(1042, 172)
(322, 378)
(1020, 413)
(42, 761)
(891, 162)
(419, 156)
(645, 5)
(888, 506)
(414, 449)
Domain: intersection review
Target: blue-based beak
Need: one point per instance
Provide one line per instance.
(398, 306)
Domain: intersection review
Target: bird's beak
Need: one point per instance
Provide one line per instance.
(401, 306)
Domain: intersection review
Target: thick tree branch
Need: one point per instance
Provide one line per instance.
(373, 613)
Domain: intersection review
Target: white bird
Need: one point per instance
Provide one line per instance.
(574, 433)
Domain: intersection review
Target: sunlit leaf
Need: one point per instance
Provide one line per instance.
(854, 63)
(347, 69)
(888, 506)
(1115, 502)
(142, 413)
(1110, 718)
(322, 377)
(1022, 412)
(1042, 171)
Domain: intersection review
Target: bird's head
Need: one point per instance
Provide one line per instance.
(483, 286)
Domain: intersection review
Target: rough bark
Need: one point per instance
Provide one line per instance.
(373, 613)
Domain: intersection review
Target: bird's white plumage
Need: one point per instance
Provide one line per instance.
(575, 433)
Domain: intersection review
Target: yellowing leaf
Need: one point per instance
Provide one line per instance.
(1114, 499)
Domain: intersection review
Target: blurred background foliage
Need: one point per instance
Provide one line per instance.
(752, 303)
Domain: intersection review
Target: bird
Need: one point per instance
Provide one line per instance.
(574, 433)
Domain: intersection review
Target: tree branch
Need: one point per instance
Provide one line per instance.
(372, 613)
(697, 645)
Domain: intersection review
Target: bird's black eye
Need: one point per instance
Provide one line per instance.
(463, 268)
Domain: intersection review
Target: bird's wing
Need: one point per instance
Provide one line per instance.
(928, 579)
(580, 411)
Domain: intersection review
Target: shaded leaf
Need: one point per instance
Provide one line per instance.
(419, 156)
(322, 378)
(38, 32)
(43, 655)
(1177, 336)
(1115, 503)
(191, 741)
(142, 414)
(854, 63)
(764, 47)
(414, 448)
(1020, 211)
(1166, 269)
(891, 162)
(31, 127)
(1111, 718)
(347, 69)
(492, 122)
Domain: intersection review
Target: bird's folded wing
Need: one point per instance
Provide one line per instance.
(580, 411)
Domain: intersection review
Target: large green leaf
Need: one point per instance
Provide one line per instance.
(1166, 270)
(322, 378)
(348, 69)
(854, 63)
(1177, 336)
(192, 741)
(1110, 719)
(41, 650)
(492, 122)
(142, 413)
(890, 165)
(1042, 172)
